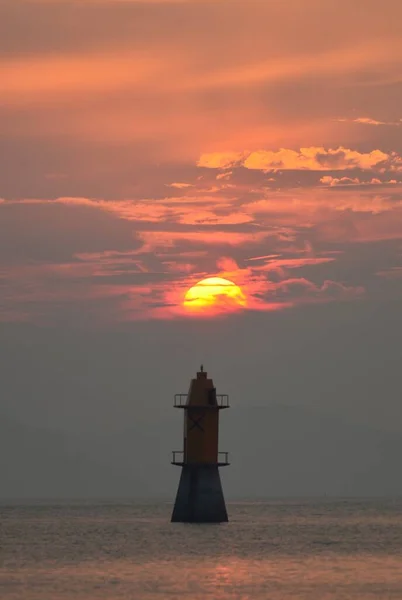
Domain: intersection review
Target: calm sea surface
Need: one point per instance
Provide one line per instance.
(315, 550)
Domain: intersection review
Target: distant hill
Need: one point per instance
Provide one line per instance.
(274, 451)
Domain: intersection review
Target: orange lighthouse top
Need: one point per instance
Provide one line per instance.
(202, 391)
(201, 422)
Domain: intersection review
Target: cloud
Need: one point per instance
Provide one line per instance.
(162, 240)
(139, 210)
(180, 186)
(273, 264)
(215, 217)
(226, 175)
(392, 273)
(312, 159)
(221, 160)
(305, 291)
(331, 181)
(147, 277)
(135, 259)
(316, 202)
(369, 121)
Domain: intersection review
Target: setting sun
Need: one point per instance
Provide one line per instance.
(214, 293)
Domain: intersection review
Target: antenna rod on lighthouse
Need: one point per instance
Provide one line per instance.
(199, 496)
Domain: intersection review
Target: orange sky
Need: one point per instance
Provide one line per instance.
(147, 145)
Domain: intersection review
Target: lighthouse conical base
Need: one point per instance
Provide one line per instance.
(199, 497)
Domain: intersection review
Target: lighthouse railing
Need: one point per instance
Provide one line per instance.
(222, 401)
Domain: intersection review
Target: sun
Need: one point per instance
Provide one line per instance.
(214, 294)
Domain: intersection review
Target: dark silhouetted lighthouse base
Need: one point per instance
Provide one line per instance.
(199, 497)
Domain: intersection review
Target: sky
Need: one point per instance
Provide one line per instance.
(147, 145)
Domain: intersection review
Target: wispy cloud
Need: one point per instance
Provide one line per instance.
(311, 159)
(370, 121)
(180, 185)
(331, 181)
(258, 244)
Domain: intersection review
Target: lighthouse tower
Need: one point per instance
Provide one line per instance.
(199, 497)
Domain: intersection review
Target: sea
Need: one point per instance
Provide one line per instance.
(310, 549)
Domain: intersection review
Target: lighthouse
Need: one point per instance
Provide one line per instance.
(199, 497)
